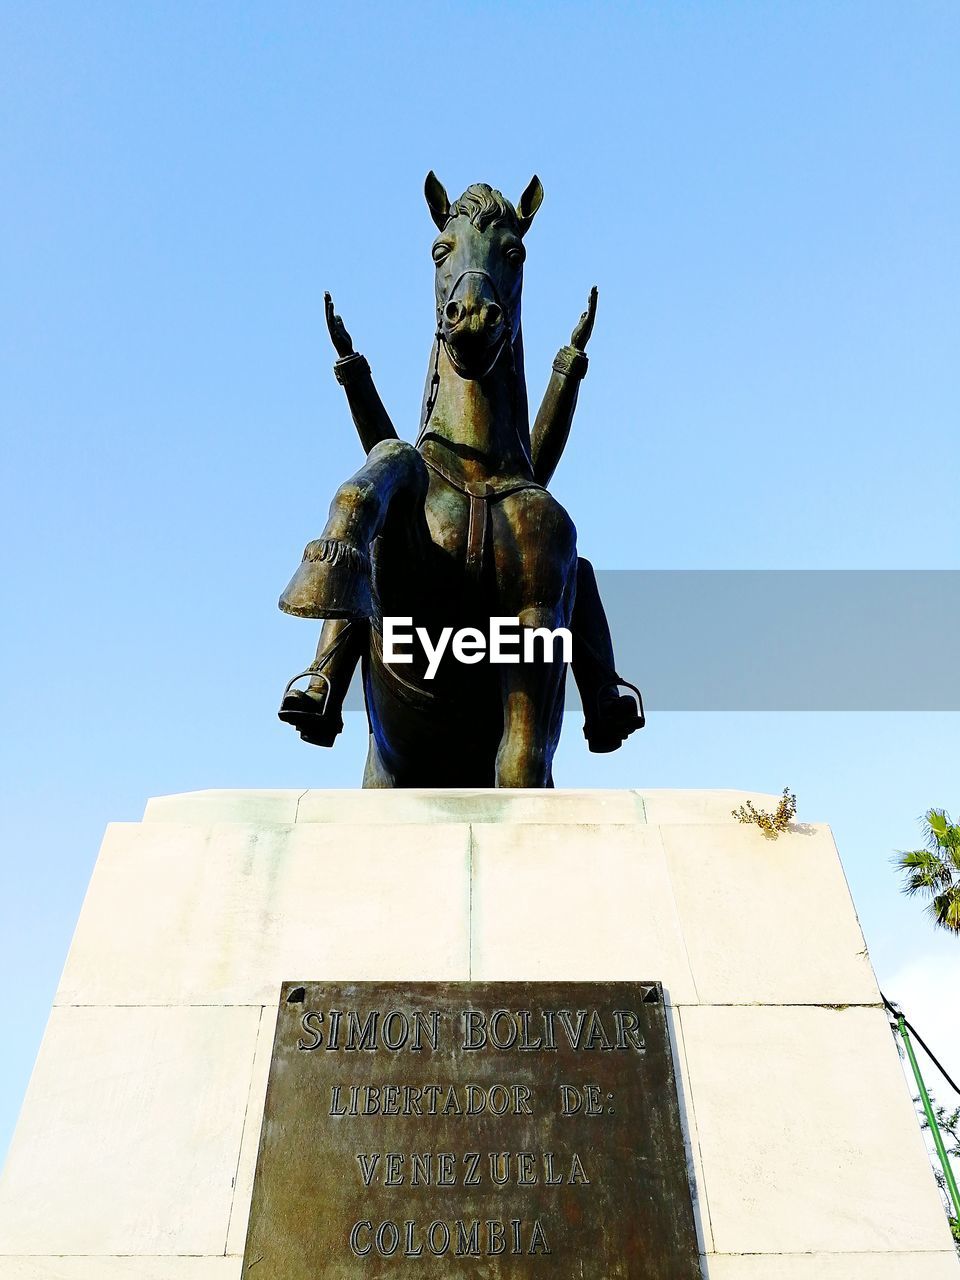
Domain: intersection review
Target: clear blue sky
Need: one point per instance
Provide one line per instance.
(767, 196)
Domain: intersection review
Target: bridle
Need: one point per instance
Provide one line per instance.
(505, 340)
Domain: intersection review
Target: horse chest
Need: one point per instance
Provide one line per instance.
(448, 518)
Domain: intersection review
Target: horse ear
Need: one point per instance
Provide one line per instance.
(529, 204)
(436, 199)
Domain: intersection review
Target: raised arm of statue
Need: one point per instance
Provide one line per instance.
(555, 416)
(353, 373)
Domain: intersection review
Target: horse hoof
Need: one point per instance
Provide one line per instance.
(305, 712)
(333, 581)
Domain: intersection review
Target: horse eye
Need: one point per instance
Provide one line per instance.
(440, 251)
(515, 255)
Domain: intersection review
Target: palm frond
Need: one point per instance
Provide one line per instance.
(945, 909)
(940, 830)
(934, 871)
(925, 871)
(936, 822)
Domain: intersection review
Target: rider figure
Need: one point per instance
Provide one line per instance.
(609, 716)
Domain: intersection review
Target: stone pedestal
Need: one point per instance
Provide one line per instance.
(134, 1156)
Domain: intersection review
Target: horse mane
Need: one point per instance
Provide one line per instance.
(485, 206)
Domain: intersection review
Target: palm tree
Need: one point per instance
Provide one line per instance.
(934, 871)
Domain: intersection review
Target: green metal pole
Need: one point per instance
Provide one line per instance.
(931, 1118)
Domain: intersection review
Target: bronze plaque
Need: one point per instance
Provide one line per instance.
(498, 1129)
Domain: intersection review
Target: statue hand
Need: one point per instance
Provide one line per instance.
(584, 326)
(338, 330)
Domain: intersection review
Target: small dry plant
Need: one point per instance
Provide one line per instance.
(771, 824)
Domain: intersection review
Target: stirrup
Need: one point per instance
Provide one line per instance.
(310, 719)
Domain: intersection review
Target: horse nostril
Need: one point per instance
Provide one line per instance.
(493, 314)
(454, 312)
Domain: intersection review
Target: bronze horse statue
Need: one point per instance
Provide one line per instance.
(455, 530)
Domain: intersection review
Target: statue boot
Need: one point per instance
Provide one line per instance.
(310, 711)
(316, 712)
(612, 717)
(333, 581)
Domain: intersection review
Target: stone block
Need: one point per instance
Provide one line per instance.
(807, 1134)
(483, 806)
(827, 1266)
(182, 914)
(767, 921)
(224, 805)
(130, 1135)
(138, 1268)
(691, 1135)
(590, 902)
(250, 1142)
(671, 806)
(420, 805)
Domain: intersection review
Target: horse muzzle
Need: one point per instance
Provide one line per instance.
(474, 342)
(472, 325)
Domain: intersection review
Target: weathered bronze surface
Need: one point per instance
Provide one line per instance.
(472, 1129)
(456, 529)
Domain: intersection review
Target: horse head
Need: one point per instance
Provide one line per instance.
(479, 257)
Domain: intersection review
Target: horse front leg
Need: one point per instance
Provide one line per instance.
(334, 580)
(532, 712)
(536, 571)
